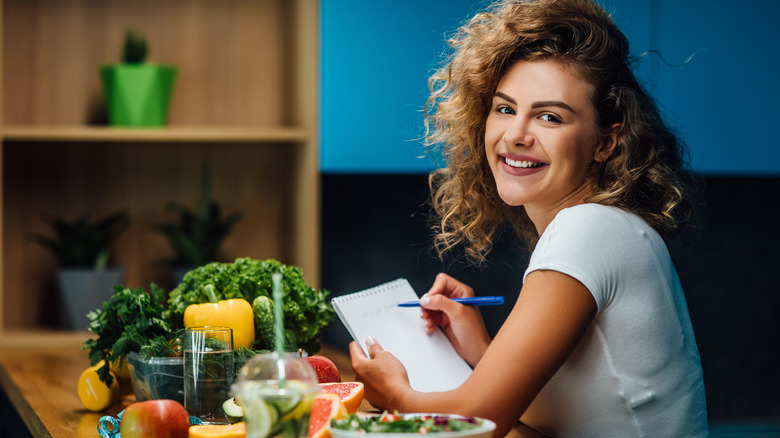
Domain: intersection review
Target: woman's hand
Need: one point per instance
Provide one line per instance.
(462, 324)
(384, 377)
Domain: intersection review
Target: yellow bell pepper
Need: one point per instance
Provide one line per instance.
(235, 313)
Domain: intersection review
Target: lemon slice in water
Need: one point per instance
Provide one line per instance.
(263, 417)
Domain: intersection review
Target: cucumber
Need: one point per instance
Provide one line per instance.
(233, 411)
(284, 403)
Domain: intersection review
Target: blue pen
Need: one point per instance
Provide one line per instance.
(474, 301)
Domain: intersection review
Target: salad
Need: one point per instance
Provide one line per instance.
(395, 423)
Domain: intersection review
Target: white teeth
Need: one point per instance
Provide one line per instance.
(524, 164)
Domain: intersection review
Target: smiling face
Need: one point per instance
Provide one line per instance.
(541, 139)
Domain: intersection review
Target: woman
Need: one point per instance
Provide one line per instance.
(546, 130)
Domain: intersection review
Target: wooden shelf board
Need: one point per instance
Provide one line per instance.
(34, 339)
(194, 134)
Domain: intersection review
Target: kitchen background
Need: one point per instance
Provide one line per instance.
(253, 101)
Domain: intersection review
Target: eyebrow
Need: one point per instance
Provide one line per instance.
(539, 104)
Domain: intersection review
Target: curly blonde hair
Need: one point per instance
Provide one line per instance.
(644, 175)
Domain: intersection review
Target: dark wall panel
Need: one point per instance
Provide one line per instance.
(375, 230)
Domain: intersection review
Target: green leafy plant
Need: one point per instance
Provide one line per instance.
(127, 321)
(83, 243)
(197, 236)
(134, 48)
(307, 311)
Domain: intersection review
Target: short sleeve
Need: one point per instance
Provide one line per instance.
(589, 243)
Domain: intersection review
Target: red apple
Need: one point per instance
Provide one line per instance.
(155, 419)
(324, 368)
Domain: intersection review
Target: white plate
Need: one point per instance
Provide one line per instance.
(483, 431)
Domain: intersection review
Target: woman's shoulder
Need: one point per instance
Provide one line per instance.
(596, 221)
(594, 211)
(599, 215)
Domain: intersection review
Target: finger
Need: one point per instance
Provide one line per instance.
(431, 317)
(449, 287)
(439, 285)
(439, 303)
(355, 351)
(372, 346)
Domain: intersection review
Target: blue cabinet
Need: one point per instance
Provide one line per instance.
(377, 57)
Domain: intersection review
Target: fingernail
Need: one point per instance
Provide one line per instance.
(370, 341)
(424, 300)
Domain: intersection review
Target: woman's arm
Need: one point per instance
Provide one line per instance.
(552, 313)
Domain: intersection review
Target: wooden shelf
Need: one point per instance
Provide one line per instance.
(248, 75)
(44, 339)
(186, 134)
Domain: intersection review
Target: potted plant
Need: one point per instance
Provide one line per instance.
(82, 249)
(197, 235)
(137, 93)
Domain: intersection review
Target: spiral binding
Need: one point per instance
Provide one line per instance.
(374, 290)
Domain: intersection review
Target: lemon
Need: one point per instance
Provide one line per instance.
(301, 403)
(93, 393)
(120, 369)
(261, 417)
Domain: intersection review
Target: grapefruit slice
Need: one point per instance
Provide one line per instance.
(325, 408)
(350, 393)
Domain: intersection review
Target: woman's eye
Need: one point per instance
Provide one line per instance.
(505, 110)
(550, 118)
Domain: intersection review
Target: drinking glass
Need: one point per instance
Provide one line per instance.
(276, 394)
(209, 368)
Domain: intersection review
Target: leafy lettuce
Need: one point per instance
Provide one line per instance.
(306, 311)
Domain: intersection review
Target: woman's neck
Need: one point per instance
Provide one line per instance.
(542, 215)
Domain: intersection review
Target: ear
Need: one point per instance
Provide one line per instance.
(609, 142)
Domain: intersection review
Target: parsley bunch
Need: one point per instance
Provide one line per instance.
(130, 319)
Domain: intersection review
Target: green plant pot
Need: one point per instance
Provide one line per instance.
(138, 94)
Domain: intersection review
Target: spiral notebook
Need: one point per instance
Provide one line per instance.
(430, 360)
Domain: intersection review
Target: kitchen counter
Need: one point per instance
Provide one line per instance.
(40, 383)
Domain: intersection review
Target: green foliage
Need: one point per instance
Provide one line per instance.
(134, 48)
(306, 311)
(197, 236)
(243, 355)
(163, 346)
(130, 319)
(83, 243)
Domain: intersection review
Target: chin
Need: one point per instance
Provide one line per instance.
(513, 200)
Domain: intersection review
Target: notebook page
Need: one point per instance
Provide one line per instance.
(430, 360)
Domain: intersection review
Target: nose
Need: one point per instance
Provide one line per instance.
(518, 134)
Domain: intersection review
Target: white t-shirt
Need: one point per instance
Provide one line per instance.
(636, 372)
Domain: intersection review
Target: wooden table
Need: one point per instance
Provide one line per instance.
(40, 383)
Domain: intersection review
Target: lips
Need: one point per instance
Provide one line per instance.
(521, 165)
